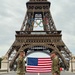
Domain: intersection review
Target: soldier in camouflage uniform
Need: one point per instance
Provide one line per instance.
(55, 64)
(21, 63)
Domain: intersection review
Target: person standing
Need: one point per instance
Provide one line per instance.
(55, 64)
(21, 63)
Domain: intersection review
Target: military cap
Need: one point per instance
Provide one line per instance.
(53, 52)
(21, 51)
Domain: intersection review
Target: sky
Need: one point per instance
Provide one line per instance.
(12, 14)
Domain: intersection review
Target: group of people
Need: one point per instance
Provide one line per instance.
(21, 63)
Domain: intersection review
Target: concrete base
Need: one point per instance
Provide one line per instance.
(3, 70)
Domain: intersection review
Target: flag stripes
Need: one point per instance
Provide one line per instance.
(38, 65)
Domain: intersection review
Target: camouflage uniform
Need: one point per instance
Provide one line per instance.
(20, 66)
(55, 66)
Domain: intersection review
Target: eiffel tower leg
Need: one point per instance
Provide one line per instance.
(16, 56)
(63, 52)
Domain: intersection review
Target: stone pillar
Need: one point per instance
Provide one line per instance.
(72, 64)
(5, 64)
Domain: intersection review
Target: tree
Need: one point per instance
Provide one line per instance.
(0, 62)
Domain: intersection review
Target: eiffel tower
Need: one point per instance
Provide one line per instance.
(39, 33)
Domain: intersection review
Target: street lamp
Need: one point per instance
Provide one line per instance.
(71, 63)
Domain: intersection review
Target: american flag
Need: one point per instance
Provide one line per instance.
(38, 65)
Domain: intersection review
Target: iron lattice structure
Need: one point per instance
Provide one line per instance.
(46, 40)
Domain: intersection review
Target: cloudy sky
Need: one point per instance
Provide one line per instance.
(12, 13)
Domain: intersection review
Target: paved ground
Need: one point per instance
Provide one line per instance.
(62, 73)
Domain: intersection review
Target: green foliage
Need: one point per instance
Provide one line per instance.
(0, 62)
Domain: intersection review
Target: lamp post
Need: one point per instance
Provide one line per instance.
(71, 63)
